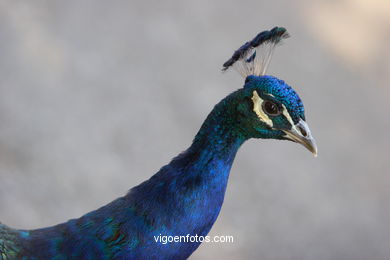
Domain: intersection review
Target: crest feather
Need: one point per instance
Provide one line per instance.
(254, 56)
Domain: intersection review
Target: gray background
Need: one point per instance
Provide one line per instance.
(95, 96)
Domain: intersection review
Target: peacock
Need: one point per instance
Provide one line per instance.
(185, 196)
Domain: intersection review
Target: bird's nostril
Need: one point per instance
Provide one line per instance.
(303, 131)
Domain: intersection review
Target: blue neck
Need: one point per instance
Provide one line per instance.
(192, 186)
(184, 197)
(198, 177)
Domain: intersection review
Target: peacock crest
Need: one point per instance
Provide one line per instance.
(254, 56)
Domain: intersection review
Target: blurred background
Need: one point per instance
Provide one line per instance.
(96, 96)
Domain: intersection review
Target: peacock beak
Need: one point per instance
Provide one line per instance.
(300, 133)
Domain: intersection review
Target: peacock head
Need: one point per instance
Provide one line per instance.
(267, 107)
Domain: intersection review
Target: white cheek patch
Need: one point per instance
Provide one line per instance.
(289, 119)
(287, 115)
(257, 103)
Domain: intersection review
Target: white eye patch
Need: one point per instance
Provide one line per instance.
(287, 115)
(257, 108)
(257, 103)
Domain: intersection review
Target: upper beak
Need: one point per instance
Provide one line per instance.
(300, 133)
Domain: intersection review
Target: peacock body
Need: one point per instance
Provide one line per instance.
(186, 195)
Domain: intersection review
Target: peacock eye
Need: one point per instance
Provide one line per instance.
(271, 108)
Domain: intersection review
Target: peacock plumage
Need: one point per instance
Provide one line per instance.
(185, 196)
